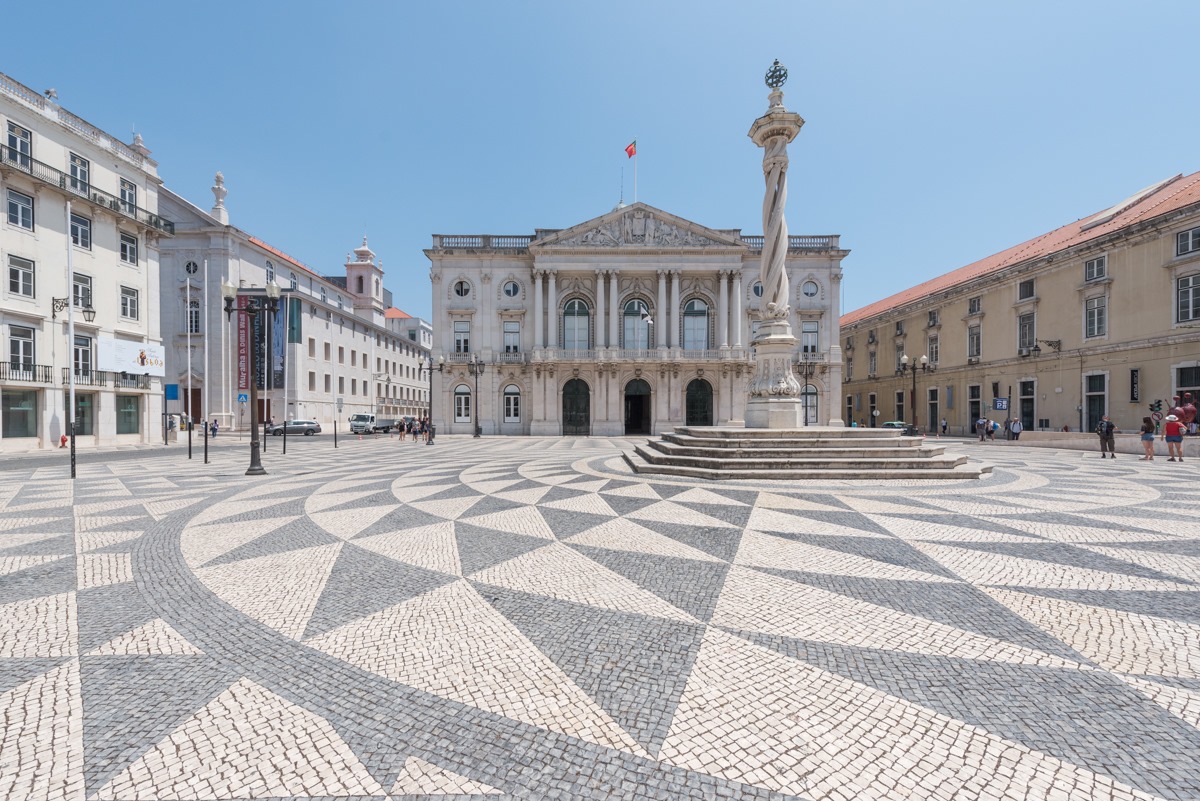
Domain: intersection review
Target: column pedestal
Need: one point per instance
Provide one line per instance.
(774, 401)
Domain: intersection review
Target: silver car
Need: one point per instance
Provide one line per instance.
(294, 427)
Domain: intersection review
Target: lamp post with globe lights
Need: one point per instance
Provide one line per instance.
(254, 306)
(907, 366)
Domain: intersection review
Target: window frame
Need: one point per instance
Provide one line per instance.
(511, 330)
(975, 304)
(128, 245)
(974, 342)
(810, 336)
(462, 404)
(1095, 317)
(21, 272)
(577, 310)
(692, 313)
(462, 288)
(1026, 290)
(512, 404)
(129, 193)
(129, 303)
(1096, 269)
(1192, 291)
(1187, 241)
(81, 290)
(81, 172)
(81, 231)
(192, 314)
(24, 221)
(1026, 330)
(632, 323)
(20, 140)
(22, 360)
(462, 336)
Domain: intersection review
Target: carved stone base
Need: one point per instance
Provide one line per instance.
(774, 397)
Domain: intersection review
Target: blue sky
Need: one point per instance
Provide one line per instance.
(937, 132)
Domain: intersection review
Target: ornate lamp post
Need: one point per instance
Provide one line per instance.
(254, 306)
(476, 367)
(912, 367)
(89, 314)
(427, 366)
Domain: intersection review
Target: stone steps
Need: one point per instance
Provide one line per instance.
(811, 452)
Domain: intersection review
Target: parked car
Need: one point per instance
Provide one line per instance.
(908, 429)
(294, 427)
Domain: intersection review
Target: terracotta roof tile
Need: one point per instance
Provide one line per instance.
(1171, 195)
(279, 253)
(395, 314)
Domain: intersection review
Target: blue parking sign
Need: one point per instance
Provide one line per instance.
(1000, 404)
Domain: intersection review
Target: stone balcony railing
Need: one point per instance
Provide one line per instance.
(26, 373)
(796, 244)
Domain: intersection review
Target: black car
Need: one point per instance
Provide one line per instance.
(294, 427)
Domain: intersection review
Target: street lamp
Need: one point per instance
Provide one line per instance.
(89, 314)
(1054, 345)
(254, 306)
(427, 366)
(475, 367)
(906, 367)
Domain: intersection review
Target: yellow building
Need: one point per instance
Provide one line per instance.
(1100, 316)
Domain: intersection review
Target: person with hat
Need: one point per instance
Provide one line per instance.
(1173, 433)
(1106, 429)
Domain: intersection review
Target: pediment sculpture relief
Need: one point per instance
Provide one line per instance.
(641, 229)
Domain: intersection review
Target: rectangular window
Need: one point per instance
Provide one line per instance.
(312, 348)
(312, 382)
(81, 232)
(20, 210)
(20, 144)
(1188, 298)
(1187, 241)
(81, 290)
(899, 355)
(899, 405)
(20, 348)
(81, 171)
(872, 364)
(809, 332)
(20, 276)
(849, 368)
(128, 414)
(1096, 317)
(462, 407)
(129, 248)
(129, 303)
(935, 318)
(193, 317)
(129, 197)
(341, 385)
(462, 336)
(1026, 336)
(83, 355)
(1025, 289)
(974, 342)
(933, 349)
(341, 355)
(1095, 269)
(353, 386)
(899, 328)
(18, 411)
(512, 407)
(354, 359)
(328, 383)
(326, 351)
(512, 336)
(974, 305)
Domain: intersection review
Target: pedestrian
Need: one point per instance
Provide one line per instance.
(1016, 428)
(993, 427)
(213, 428)
(1147, 439)
(1173, 434)
(944, 426)
(1106, 429)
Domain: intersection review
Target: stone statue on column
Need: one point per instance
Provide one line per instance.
(774, 393)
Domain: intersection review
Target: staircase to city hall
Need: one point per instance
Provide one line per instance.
(813, 452)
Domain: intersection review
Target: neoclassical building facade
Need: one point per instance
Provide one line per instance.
(1099, 316)
(627, 324)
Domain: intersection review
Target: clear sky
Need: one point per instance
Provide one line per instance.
(937, 132)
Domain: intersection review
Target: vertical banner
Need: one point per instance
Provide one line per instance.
(278, 349)
(243, 344)
(259, 325)
(1135, 385)
(294, 321)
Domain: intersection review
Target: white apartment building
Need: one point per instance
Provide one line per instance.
(80, 236)
(630, 323)
(329, 352)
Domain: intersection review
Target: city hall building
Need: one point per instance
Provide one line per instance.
(630, 323)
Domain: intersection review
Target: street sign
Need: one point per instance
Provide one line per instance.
(1157, 416)
(1000, 404)
(243, 397)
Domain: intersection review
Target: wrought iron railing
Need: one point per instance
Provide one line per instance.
(131, 381)
(11, 157)
(31, 373)
(101, 378)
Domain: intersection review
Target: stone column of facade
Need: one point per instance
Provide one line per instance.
(552, 309)
(661, 311)
(834, 368)
(673, 333)
(538, 341)
(736, 319)
(614, 331)
(775, 395)
(723, 309)
(600, 319)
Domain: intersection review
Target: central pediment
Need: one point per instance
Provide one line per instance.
(636, 226)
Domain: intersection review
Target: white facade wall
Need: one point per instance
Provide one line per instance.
(339, 356)
(532, 285)
(114, 188)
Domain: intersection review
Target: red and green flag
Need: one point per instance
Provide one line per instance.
(631, 149)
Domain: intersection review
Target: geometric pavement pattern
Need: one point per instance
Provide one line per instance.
(526, 618)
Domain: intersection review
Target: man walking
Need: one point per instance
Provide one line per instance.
(1106, 429)
(1015, 429)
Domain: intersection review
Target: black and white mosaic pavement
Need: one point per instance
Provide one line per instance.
(527, 619)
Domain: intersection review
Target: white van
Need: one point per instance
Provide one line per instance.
(362, 424)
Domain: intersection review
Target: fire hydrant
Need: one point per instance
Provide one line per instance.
(62, 441)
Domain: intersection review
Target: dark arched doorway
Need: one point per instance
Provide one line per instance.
(637, 407)
(576, 408)
(699, 403)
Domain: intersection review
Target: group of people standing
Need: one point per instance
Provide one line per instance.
(987, 429)
(417, 429)
(1174, 430)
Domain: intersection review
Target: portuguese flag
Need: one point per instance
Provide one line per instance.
(631, 149)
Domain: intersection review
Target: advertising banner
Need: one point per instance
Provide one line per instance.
(243, 345)
(135, 358)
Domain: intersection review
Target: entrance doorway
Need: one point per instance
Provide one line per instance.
(576, 408)
(699, 403)
(637, 407)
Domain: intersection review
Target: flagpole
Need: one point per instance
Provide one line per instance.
(635, 161)
(207, 382)
(188, 403)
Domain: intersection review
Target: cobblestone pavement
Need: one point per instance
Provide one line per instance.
(524, 618)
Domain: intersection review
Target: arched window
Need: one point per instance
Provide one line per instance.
(360, 285)
(293, 282)
(575, 325)
(270, 272)
(695, 325)
(512, 404)
(462, 404)
(637, 328)
(193, 317)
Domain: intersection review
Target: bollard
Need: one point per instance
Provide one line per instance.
(335, 433)
(206, 443)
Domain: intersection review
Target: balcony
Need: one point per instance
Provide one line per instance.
(480, 242)
(798, 243)
(26, 373)
(101, 378)
(13, 159)
(512, 358)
